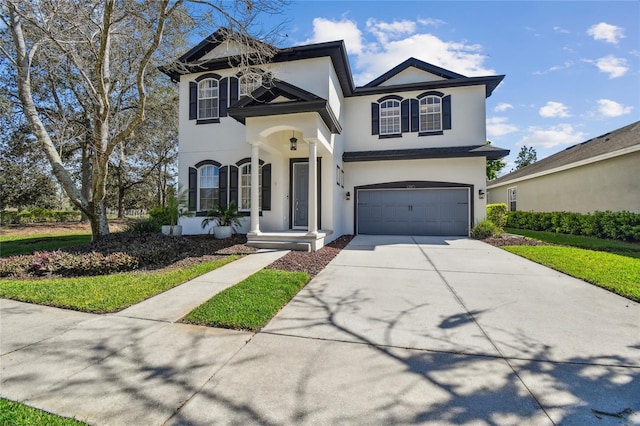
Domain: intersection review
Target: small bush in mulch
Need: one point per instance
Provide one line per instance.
(154, 250)
(42, 263)
(510, 240)
(122, 252)
(311, 262)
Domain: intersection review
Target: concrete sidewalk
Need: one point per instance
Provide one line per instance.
(396, 330)
(175, 303)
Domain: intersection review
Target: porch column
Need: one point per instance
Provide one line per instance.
(313, 189)
(255, 189)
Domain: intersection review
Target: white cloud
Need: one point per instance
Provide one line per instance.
(431, 21)
(607, 32)
(610, 108)
(615, 67)
(498, 126)
(391, 43)
(554, 110)
(327, 30)
(564, 66)
(385, 31)
(562, 134)
(502, 106)
(561, 30)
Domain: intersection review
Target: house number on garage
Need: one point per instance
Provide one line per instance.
(411, 187)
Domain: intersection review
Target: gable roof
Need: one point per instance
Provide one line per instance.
(261, 103)
(608, 145)
(415, 63)
(191, 62)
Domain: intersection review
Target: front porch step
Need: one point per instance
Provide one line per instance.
(288, 240)
(280, 245)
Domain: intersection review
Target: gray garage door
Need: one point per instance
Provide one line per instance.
(413, 211)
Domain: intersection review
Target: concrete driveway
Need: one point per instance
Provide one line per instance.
(396, 330)
(404, 330)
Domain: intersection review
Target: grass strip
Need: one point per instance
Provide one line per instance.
(17, 414)
(104, 293)
(21, 244)
(591, 243)
(619, 274)
(250, 304)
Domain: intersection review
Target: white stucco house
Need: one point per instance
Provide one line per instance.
(403, 154)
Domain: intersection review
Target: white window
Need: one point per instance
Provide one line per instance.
(209, 187)
(512, 199)
(430, 114)
(248, 83)
(390, 117)
(208, 99)
(245, 187)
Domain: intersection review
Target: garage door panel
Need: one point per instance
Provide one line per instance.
(413, 212)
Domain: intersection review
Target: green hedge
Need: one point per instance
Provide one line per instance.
(497, 214)
(614, 225)
(38, 215)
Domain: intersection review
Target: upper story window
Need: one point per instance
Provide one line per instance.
(245, 187)
(390, 117)
(208, 190)
(248, 83)
(430, 114)
(208, 99)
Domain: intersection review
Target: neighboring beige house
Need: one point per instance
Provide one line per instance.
(308, 156)
(600, 174)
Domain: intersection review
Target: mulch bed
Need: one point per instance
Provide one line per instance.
(311, 262)
(510, 240)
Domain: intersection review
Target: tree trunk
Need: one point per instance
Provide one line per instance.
(85, 168)
(97, 215)
(120, 202)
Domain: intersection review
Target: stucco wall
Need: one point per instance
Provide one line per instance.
(611, 184)
(467, 122)
(454, 170)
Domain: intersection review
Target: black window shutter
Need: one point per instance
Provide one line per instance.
(446, 112)
(193, 189)
(404, 115)
(223, 97)
(222, 186)
(193, 100)
(233, 90)
(233, 184)
(375, 118)
(266, 187)
(415, 115)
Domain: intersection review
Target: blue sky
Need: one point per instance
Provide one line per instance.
(572, 68)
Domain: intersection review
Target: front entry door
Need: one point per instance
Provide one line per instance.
(300, 202)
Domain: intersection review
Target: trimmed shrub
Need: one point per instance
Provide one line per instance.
(622, 225)
(497, 213)
(67, 264)
(485, 229)
(39, 215)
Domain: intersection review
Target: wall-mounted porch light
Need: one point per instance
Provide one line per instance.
(293, 143)
(481, 194)
(347, 196)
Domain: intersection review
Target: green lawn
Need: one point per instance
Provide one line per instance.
(250, 304)
(105, 293)
(16, 414)
(619, 274)
(591, 243)
(21, 244)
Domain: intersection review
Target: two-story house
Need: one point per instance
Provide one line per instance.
(307, 156)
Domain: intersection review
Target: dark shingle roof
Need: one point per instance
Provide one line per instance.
(624, 137)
